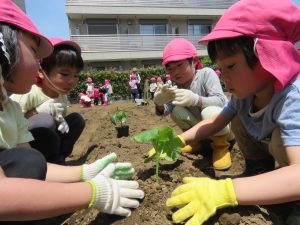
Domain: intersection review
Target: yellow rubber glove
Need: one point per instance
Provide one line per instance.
(151, 152)
(200, 198)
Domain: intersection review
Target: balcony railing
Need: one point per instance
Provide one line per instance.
(128, 43)
(209, 4)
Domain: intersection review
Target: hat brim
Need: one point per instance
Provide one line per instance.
(174, 58)
(70, 43)
(219, 34)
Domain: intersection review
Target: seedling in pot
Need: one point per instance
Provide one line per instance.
(119, 119)
(166, 143)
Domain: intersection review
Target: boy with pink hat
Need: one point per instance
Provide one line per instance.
(45, 105)
(253, 44)
(199, 95)
(31, 188)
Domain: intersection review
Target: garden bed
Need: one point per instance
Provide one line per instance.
(99, 139)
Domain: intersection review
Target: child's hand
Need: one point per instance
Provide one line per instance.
(52, 108)
(115, 196)
(186, 98)
(163, 95)
(63, 127)
(106, 167)
(199, 198)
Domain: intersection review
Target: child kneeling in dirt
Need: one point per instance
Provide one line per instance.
(253, 44)
(31, 188)
(55, 133)
(199, 95)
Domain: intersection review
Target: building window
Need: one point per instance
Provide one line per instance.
(153, 27)
(102, 27)
(198, 28)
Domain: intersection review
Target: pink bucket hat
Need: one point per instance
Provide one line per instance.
(179, 49)
(275, 25)
(58, 41)
(13, 15)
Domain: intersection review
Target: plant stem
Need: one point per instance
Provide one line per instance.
(157, 167)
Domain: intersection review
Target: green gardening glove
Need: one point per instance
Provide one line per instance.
(200, 198)
(122, 171)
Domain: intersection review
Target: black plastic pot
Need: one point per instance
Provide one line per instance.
(122, 131)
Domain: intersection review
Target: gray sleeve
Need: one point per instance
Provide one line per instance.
(213, 94)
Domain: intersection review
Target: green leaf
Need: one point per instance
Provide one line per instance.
(145, 136)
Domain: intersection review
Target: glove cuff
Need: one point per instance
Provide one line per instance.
(181, 139)
(227, 189)
(102, 193)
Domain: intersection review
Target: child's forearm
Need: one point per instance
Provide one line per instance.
(65, 174)
(26, 199)
(279, 186)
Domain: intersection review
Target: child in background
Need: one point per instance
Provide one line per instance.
(54, 132)
(159, 81)
(89, 86)
(133, 88)
(108, 92)
(253, 44)
(97, 96)
(168, 80)
(32, 189)
(153, 86)
(199, 95)
(138, 81)
(84, 100)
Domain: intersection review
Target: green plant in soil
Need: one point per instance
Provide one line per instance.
(119, 119)
(166, 143)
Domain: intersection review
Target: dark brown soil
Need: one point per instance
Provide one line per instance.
(99, 139)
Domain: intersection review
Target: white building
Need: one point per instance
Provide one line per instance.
(125, 33)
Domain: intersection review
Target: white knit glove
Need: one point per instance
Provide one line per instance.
(52, 108)
(106, 167)
(186, 98)
(63, 126)
(114, 196)
(163, 95)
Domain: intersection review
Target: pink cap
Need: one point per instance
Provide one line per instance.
(153, 79)
(275, 26)
(106, 82)
(58, 41)
(168, 76)
(12, 14)
(158, 79)
(89, 79)
(178, 49)
(218, 72)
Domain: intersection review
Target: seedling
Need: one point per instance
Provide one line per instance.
(166, 143)
(119, 119)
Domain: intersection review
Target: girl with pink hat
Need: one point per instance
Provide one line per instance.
(133, 87)
(152, 86)
(89, 86)
(31, 188)
(253, 44)
(108, 92)
(199, 95)
(45, 105)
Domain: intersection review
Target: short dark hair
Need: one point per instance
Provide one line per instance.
(63, 55)
(230, 46)
(10, 38)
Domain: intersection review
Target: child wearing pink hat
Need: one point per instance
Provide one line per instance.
(31, 188)
(199, 95)
(133, 87)
(89, 86)
(107, 93)
(45, 105)
(253, 44)
(152, 86)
